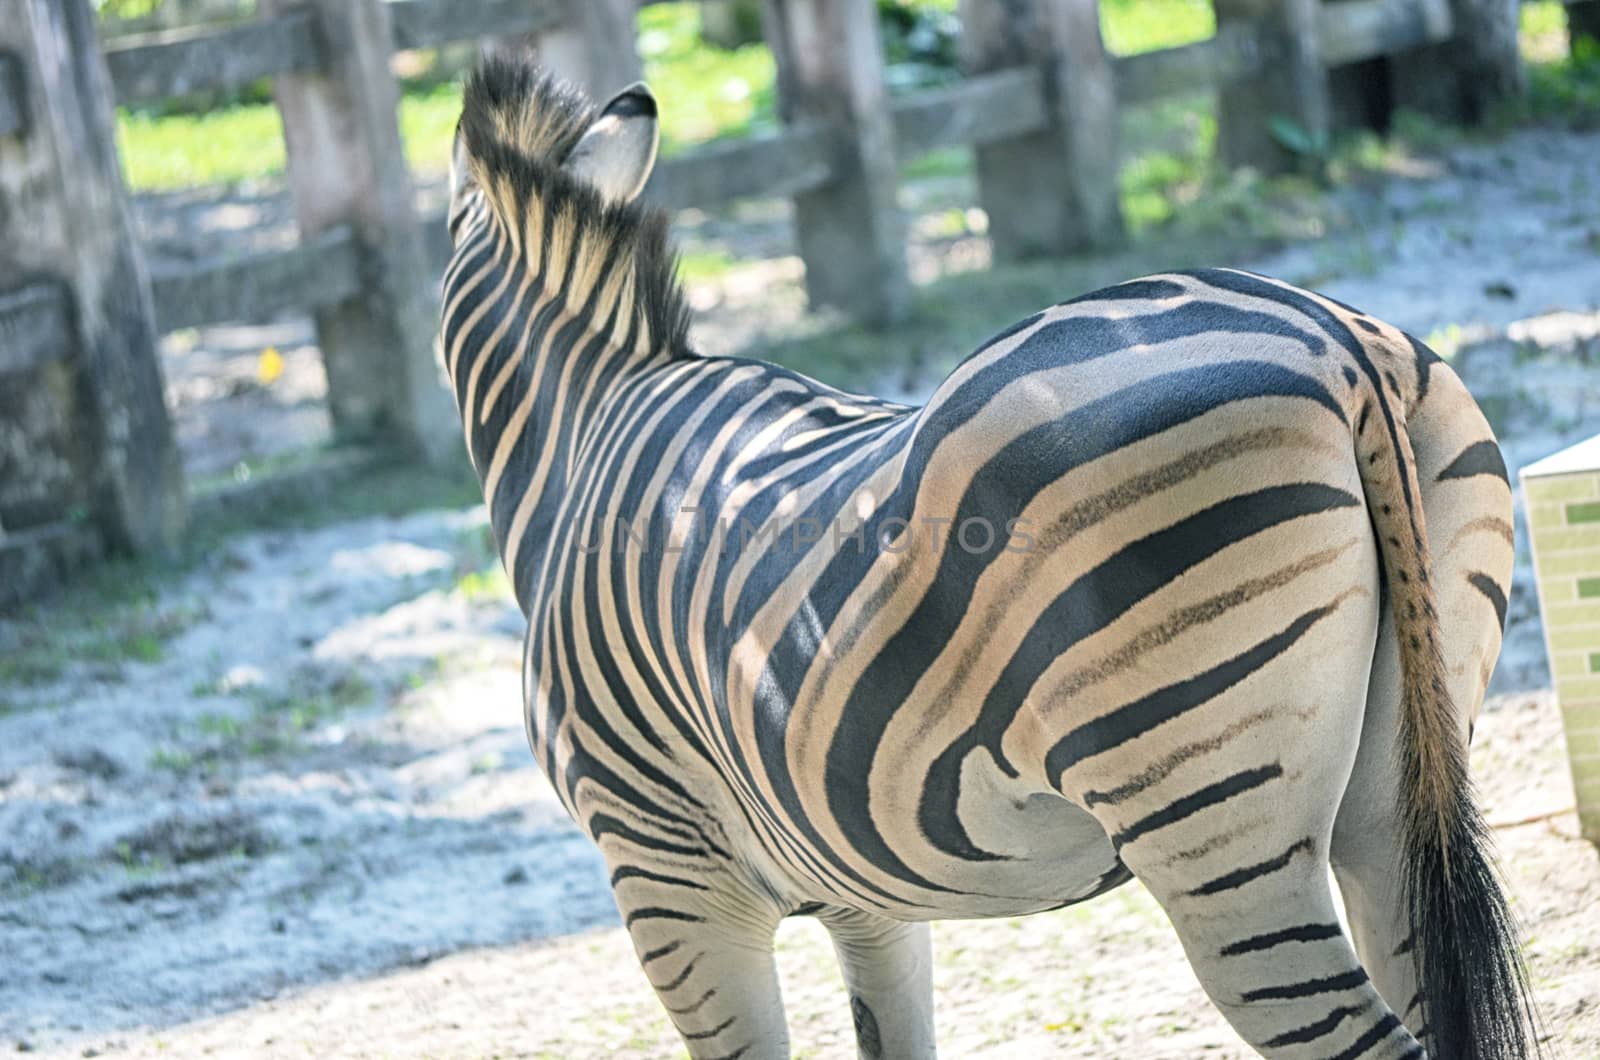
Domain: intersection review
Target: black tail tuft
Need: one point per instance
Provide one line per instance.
(1475, 995)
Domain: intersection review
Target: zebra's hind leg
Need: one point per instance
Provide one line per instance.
(1376, 909)
(1265, 942)
(888, 969)
(1228, 820)
(707, 950)
(1367, 849)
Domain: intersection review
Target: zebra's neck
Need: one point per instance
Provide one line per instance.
(543, 330)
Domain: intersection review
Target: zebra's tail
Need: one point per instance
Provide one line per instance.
(1474, 986)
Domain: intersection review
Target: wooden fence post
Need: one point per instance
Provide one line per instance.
(830, 74)
(66, 232)
(1461, 79)
(1053, 191)
(596, 48)
(1289, 91)
(347, 167)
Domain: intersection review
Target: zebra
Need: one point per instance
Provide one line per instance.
(1197, 579)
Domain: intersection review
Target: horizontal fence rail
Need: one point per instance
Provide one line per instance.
(323, 270)
(172, 63)
(1366, 29)
(1232, 55)
(983, 108)
(184, 62)
(784, 163)
(430, 23)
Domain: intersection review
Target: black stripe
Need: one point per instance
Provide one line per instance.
(1161, 706)
(603, 824)
(688, 1010)
(1426, 359)
(1300, 933)
(1497, 599)
(660, 952)
(1479, 458)
(1327, 984)
(1189, 805)
(700, 1036)
(682, 977)
(657, 912)
(1239, 877)
(1131, 291)
(1312, 1031)
(1380, 1030)
(633, 872)
(1165, 767)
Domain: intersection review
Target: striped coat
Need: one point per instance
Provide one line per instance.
(1198, 578)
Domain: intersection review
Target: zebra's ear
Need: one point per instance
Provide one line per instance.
(618, 152)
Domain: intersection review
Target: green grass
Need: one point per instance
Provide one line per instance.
(1539, 26)
(164, 152)
(1133, 26)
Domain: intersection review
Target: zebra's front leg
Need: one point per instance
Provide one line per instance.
(888, 969)
(706, 947)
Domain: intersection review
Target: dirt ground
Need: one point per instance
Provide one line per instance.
(284, 807)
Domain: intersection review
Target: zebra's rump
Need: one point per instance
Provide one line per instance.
(893, 644)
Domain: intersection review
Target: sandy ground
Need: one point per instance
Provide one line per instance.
(286, 808)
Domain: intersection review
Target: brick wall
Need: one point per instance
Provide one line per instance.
(1563, 501)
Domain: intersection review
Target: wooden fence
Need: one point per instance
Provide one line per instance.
(86, 452)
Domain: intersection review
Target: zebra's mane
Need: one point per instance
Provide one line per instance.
(518, 126)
